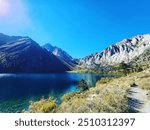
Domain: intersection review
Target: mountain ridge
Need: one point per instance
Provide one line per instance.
(23, 55)
(62, 55)
(124, 50)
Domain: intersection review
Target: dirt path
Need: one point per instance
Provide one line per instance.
(138, 100)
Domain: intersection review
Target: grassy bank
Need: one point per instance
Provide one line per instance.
(84, 71)
(109, 95)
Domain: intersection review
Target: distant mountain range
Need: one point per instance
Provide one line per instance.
(23, 55)
(125, 50)
(62, 55)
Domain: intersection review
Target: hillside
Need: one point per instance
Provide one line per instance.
(106, 97)
(116, 95)
(23, 55)
(142, 59)
(125, 51)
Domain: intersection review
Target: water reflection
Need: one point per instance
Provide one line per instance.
(16, 90)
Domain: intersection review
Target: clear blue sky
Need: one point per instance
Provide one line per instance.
(80, 27)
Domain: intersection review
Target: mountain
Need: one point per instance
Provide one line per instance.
(5, 38)
(62, 55)
(142, 59)
(23, 55)
(125, 51)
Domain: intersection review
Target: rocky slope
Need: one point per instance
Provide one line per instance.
(125, 51)
(142, 59)
(23, 55)
(5, 38)
(62, 55)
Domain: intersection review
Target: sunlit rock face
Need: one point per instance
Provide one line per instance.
(125, 51)
(142, 59)
(62, 55)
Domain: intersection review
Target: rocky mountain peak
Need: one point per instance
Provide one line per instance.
(124, 50)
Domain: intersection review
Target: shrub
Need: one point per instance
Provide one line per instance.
(43, 106)
(82, 86)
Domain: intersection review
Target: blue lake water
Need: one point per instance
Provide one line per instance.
(17, 90)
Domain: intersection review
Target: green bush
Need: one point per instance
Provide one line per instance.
(82, 86)
(43, 106)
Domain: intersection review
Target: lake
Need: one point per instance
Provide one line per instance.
(17, 90)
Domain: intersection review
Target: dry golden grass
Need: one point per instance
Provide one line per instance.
(43, 106)
(143, 80)
(105, 80)
(107, 96)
